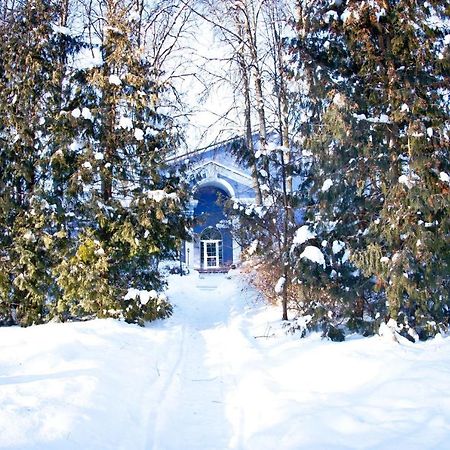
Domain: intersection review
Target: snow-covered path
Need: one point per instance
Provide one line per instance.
(212, 346)
(213, 376)
(192, 400)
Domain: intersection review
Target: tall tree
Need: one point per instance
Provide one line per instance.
(376, 125)
(88, 205)
(130, 202)
(407, 99)
(255, 31)
(31, 91)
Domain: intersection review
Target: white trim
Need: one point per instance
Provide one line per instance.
(236, 251)
(217, 183)
(189, 254)
(214, 168)
(215, 257)
(223, 166)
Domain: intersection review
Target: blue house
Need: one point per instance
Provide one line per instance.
(216, 176)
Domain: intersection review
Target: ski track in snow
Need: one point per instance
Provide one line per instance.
(212, 377)
(195, 397)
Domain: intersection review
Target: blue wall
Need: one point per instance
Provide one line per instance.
(208, 213)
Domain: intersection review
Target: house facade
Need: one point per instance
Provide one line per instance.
(216, 177)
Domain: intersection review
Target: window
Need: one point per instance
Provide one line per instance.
(211, 248)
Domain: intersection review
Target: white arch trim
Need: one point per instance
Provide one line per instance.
(217, 183)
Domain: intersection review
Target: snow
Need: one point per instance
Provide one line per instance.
(138, 134)
(115, 80)
(381, 13)
(382, 118)
(443, 176)
(406, 180)
(58, 154)
(76, 113)
(125, 123)
(88, 58)
(302, 235)
(279, 285)
(389, 330)
(219, 374)
(314, 254)
(159, 195)
(327, 184)
(345, 256)
(75, 145)
(133, 15)
(331, 15)
(29, 236)
(251, 250)
(143, 295)
(58, 29)
(346, 15)
(337, 246)
(339, 100)
(151, 132)
(86, 113)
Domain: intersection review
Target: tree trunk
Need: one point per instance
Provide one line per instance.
(251, 41)
(248, 130)
(285, 291)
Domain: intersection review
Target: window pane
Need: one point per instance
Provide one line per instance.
(211, 233)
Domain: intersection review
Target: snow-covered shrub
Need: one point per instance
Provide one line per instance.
(139, 306)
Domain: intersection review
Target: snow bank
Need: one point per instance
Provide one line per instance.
(223, 375)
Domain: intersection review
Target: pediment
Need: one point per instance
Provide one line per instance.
(213, 169)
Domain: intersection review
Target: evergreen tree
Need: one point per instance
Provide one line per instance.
(87, 206)
(376, 130)
(128, 200)
(408, 97)
(31, 91)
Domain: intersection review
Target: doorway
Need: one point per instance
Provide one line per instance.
(211, 248)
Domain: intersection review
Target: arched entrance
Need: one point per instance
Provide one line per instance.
(211, 248)
(218, 182)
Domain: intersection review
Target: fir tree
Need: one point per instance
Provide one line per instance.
(406, 73)
(378, 116)
(31, 76)
(88, 206)
(128, 200)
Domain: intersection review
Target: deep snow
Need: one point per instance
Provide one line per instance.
(219, 374)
